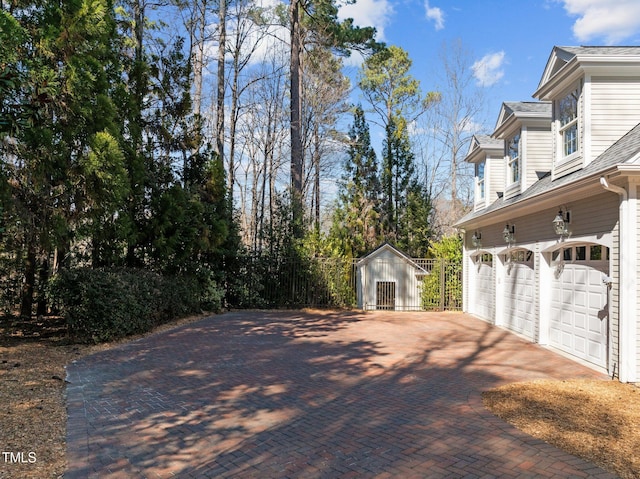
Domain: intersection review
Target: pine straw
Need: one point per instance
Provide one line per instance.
(596, 420)
(32, 395)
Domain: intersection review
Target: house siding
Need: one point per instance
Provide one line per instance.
(496, 177)
(637, 269)
(539, 153)
(615, 109)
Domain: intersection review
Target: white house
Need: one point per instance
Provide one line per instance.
(551, 248)
(388, 279)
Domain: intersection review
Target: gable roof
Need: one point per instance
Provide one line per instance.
(565, 62)
(386, 246)
(514, 111)
(625, 152)
(483, 144)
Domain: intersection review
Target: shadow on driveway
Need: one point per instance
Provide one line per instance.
(311, 395)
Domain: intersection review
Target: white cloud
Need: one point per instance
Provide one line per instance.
(434, 13)
(612, 21)
(488, 70)
(369, 13)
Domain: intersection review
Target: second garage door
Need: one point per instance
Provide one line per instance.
(519, 293)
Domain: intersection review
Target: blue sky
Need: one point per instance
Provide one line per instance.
(509, 40)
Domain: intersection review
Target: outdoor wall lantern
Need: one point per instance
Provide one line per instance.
(475, 239)
(561, 223)
(508, 233)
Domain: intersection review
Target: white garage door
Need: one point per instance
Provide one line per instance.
(519, 293)
(484, 299)
(579, 304)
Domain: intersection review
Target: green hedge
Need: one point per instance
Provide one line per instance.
(106, 304)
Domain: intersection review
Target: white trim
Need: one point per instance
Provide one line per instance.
(544, 297)
(627, 280)
(586, 127)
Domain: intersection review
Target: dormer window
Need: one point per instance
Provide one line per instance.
(480, 180)
(568, 118)
(513, 159)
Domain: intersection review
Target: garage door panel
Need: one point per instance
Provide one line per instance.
(483, 305)
(519, 296)
(578, 323)
(580, 298)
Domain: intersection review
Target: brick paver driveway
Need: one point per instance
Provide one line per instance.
(310, 395)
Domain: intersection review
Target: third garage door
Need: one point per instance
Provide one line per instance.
(579, 303)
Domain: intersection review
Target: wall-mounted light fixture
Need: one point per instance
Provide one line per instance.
(561, 223)
(508, 233)
(475, 239)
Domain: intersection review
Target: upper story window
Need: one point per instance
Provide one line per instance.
(568, 118)
(480, 180)
(513, 159)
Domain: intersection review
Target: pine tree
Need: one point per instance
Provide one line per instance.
(356, 220)
(397, 174)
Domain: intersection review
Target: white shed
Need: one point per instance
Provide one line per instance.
(389, 279)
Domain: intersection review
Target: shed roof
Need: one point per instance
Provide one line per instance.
(386, 246)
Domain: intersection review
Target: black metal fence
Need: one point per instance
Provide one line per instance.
(263, 282)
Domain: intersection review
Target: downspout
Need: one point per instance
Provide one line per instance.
(626, 285)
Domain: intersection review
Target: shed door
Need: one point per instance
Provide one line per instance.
(519, 293)
(386, 295)
(579, 303)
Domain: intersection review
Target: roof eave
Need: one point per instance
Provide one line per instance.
(567, 74)
(548, 198)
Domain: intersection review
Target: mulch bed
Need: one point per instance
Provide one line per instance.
(596, 420)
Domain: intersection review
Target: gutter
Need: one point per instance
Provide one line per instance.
(627, 282)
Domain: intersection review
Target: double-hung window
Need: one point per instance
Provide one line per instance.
(568, 118)
(513, 159)
(480, 180)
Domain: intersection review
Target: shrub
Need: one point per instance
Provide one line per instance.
(106, 304)
(448, 267)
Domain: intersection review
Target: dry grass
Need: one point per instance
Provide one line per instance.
(595, 420)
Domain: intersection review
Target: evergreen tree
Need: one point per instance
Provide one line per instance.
(415, 227)
(398, 172)
(355, 226)
(62, 116)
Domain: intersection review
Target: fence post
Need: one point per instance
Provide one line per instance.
(443, 285)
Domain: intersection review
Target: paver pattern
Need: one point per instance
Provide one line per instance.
(311, 395)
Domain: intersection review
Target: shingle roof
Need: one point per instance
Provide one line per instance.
(597, 50)
(486, 141)
(528, 107)
(624, 151)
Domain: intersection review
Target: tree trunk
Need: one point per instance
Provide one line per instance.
(28, 285)
(198, 59)
(222, 26)
(296, 120)
(43, 278)
(316, 163)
